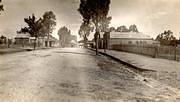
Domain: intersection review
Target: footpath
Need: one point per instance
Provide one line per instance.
(143, 62)
(15, 50)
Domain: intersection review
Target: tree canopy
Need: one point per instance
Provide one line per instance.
(1, 6)
(94, 10)
(133, 28)
(33, 27)
(112, 29)
(104, 24)
(49, 22)
(85, 30)
(64, 36)
(41, 27)
(122, 28)
(166, 38)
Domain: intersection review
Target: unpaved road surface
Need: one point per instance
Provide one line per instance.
(75, 75)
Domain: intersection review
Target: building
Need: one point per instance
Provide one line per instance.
(22, 39)
(27, 40)
(53, 42)
(128, 38)
(68, 40)
(86, 44)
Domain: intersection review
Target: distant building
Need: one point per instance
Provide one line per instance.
(178, 43)
(22, 39)
(74, 38)
(26, 40)
(52, 41)
(128, 38)
(73, 41)
(68, 40)
(86, 44)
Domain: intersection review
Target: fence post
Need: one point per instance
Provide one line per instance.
(155, 51)
(175, 53)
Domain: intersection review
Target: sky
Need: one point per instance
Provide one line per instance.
(152, 17)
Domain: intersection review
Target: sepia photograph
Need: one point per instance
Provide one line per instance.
(89, 50)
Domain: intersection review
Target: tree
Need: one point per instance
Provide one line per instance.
(104, 24)
(64, 36)
(85, 30)
(122, 29)
(112, 29)
(49, 23)
(1, 6)
(166, 38)
(95, 11)
(133, 28)
(33, 27)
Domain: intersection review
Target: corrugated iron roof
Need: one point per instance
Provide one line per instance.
(22, 36)
(129, 35)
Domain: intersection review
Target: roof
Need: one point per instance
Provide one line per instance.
(129, 35)
(22, 36)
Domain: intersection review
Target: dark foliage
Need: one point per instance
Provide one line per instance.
(64, 36)
(94, 10)
(133, 28)
(49, 22)
(85, 30)
(104, 24)
(122, 29)
(33, 27)
(1, 6)
(166, 38)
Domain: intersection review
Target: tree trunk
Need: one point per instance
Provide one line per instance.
(35, 43)
(22, 42)
(104, 44)
(48, 40)
(97, 42)
(175, 53)
(96, 38)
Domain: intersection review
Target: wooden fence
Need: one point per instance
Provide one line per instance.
(168, 52)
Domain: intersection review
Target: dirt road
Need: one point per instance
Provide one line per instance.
(75, 75)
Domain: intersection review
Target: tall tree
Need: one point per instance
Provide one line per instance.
(111, 29)
(133, 28)
(166, 38)
(122, 29)
(104, 24)
(64, 36)
(1, 6)
(49, 23)
(95, 11)
(33, 27)
(85, 30)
